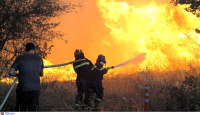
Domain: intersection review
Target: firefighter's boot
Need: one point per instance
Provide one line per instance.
(96, 104)
(77, 107)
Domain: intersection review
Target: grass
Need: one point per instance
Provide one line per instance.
(122, 92)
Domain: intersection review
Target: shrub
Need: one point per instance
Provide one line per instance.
(182, 98)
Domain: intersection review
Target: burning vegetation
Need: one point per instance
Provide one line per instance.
(168, 35)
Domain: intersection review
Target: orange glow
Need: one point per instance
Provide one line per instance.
(166, 33)
(63, 73)
(124, 29)
(7, 80)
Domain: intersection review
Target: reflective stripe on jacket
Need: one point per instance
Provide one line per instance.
(98, 71)
(97, 68)
(82, 64)
(83, 70)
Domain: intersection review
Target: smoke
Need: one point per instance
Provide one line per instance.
(137, 59)
(142, 31)
(85, 30)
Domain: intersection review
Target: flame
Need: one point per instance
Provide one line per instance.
(165, 32)
(7, 80)
(63, 73)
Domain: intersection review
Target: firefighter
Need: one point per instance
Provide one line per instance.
(84, 81)
(98, 71)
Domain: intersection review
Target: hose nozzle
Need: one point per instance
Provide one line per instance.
(110, 67)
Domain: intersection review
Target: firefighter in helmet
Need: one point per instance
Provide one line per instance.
(98, 71)
(84, 81)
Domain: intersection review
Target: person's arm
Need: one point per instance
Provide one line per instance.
(13, 68)
(41, 72)
(42, 68)
(104, 71)
(12, 72)
(101, 70)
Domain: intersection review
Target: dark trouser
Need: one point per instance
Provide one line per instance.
(83, 88)
(99, 93)
(27, 100)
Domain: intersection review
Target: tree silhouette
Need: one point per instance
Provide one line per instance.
(194, 5)
(23, 21)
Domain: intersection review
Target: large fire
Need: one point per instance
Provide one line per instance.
(63, 73)
(122, 30)
(166, 33)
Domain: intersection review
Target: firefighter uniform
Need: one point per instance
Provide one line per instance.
(84, 81)
(98, 71)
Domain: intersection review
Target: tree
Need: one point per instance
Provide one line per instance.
(194, 5)
(23, 21)
(193, 8)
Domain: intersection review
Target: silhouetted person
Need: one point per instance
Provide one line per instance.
(84, 81)
(30, 68)
(98, 71)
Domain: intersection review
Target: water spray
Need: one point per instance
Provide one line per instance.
(140, 57)
(48, 66)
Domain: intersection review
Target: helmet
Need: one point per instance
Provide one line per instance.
(101, 58)
(78, 51)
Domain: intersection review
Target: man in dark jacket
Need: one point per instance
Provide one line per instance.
(98, 71)
(84, 81)
(30, 68)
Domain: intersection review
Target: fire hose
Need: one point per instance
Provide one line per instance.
(2, 104)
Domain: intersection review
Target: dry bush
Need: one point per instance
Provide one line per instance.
(122, 92)
(10, 103)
